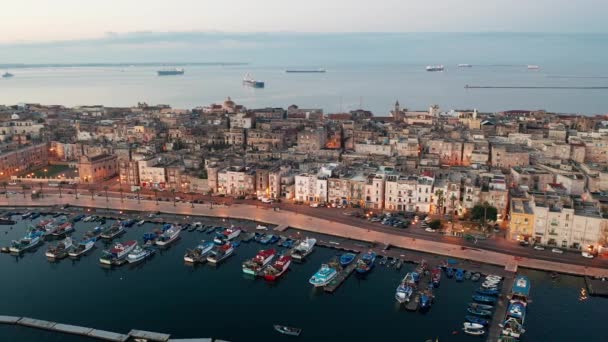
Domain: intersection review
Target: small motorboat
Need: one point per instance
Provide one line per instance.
(487, 292)
(467, 275)
(347, 258)
(474, 332)
(459, 275)
(449, 272)
(484, 299)
(287, 330)
(476, 319)
(468, 325)
(479, 312)
(475, 277)
(481, 306)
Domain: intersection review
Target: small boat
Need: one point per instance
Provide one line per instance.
(26, 216)
(426, 298)
(366, 263)
(481, 306)
(34, 215)
(464, 65)
(227, 234)
(94, 233)
(77, 218)
(347, 258)
(459, 275)
(7, 75)
(276, 270)
(168, 236)
(248, 237)
(468, 325)
(266, 239)
(467, 275)
(479, 312)
(248, 81)
(220, 253)
(141, 223)
(61, 250)
(474, 332)
(487, 285)
(127, 223)
(323, 276)
(255, 264)
(199, 253)
(484, 299)
(449, 272)
(436, 277)
(170, 72)
(476, 319)
(475, 277)
(287, 330)
(84, 246)
(435, 68)
(304, 248)
(119, 252)
(63, 229)
(140, 253)
(261, 227)
(273, 239)
(210, 230)
(112, 232)
(403, 293)
(487, 292)
(5, 221)
(30, 240)
(191, 228)
(533, 67)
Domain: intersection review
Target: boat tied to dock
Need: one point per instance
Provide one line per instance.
(303, 249)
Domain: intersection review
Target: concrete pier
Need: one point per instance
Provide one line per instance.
(343, 274)
(500, 310)
(149, 335)
(597, 287)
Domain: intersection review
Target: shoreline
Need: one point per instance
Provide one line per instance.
(284, 220)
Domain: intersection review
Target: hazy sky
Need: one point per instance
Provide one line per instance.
(45, 20)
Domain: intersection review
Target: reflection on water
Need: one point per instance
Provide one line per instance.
(583, 295)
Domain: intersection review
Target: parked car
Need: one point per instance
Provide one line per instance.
(430, 230)
(587, 255)
(314, 205)
(539, 248)
(557, 250)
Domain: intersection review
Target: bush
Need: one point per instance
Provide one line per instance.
(435, 224)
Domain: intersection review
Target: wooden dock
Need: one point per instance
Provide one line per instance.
(500, 310)
(597, 287)
(343, 274)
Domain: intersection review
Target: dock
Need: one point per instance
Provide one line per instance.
(597, 287)
(500, 310)
(94, 333)
(343, 274)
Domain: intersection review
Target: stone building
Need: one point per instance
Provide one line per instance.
(96, 169)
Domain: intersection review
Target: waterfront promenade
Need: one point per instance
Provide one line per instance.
(313, 224)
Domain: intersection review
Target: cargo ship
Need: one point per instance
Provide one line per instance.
(248, 81)
(306, 71)
(434, 68)
(170, 72)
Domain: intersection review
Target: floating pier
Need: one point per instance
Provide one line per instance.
(500, 310)
(343, 274)
(597, 287)
(149, 335)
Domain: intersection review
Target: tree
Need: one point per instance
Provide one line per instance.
(105, 188)
(40, 185)
(484, 212)
(435, 224)
(76, 191)
(440, 200)
(121, 191)
(173, 195)
(92, 191)
(4, 185)
(59, 187)
(155, 195)
(192, 199)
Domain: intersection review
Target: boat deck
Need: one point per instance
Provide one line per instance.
(343, 274)
(494, 330)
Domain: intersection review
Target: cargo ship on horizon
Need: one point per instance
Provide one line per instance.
(170, 72)
(306, 71)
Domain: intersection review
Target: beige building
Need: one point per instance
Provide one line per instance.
(14, 162)
(96, 169)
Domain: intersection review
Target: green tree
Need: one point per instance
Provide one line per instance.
(484, 212)
(435, 224)
(440, 200)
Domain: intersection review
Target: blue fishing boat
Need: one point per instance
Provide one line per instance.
(366, 263)
(347, 258)
(403, 293)
(449, 272)
(487, 292)
(475, 319)
(288, 243)
(426, 299)
(459, 275)
(34, 215)
(273, 239)
(481, 306)
(416, 277)
(484, 299)
(323, 276)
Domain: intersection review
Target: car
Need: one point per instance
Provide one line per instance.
(12, 183)
(539, 248)
(587, 255)
(266, 200)
(430, 230)
(524, 243)
(557, 250)
(375, 219)
(314, 205)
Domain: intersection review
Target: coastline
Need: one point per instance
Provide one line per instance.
(303, 222)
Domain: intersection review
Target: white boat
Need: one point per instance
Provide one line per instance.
(227, 234)
(304, 248)
(435, 68)
(200, 253)
(31, 240)
(119, 252)
(464, 65)
(261, 227)
(82, 248)
(168, 236)
(472, 326)
(220, 253)
(141, 223)
(139, 253)
(60, 250)
(533, 67)
(474, 332)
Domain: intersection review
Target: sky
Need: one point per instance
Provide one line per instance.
(27, 21)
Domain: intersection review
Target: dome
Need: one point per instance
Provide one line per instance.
(15, 117)
(228, 103)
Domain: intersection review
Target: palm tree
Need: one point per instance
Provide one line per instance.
(59, 187)
(440, 200)
(173, 195)
(24, 187)
(121, 198)
(92, 191)
(4, 185)
(137, 192)
(105, 188)
(155, 195)
(76, 190)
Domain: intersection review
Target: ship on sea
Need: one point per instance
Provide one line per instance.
(170, 72)
(7, 75)
(306, 71)
(434, 68)
(248, 81)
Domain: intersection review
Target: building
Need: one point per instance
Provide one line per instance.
(23, 159)
(521, 226)
(96, 169)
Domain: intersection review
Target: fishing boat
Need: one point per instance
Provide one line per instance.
(273, 239)
(435, 68)
(63, 229)
(84, 246)
(140, 253)
(190, 227)
(128, 223)
(474, 332)
(347, 258)
(410, 279)
(248, 81)
(479, 312)
(436, 277)
(199, 253)
(303, 249)
(475, 277)
(119, 252)
(323, 276)
(469, 325)
(60, 250)
(94, 233)
(6, 221)
(403, 293)
(459, 275)
(77, 218)
(34, 215)
(220, 253)
(287, 330)
(261, 227)
(30, 240)
(276, 270)
(484, 299)
(481, 306)
(112, 232)
(467, 275)
(513, 323)
(44, 224)
(426, 299)
(227, 234)
(168, 237)
(265, 240)
(366, 263)
(259, 261)
(25, 216)
(476, 319)
(487, 292)
(449, 272)
(141, 223)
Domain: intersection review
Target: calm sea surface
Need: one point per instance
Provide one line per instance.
(366, 70)
(165, 295)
